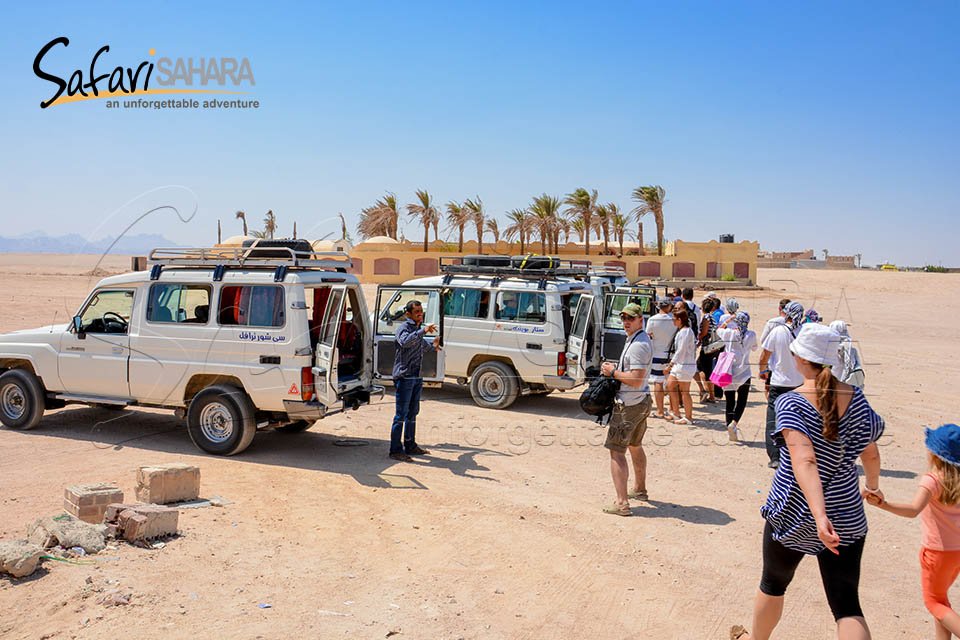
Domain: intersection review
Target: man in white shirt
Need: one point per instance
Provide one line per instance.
(687, 295)
(779, 370)
(628, 423)
(661, 330)
(772, 322)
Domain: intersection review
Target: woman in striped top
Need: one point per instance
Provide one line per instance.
(815, 505)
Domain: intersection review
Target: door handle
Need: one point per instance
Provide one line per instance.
(534, 345)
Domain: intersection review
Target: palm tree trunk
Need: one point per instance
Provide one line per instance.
(522, 251)
(586, 226)
(426, 237)
(460, 242)
(659, 221)
(606, 241)
(640, 238)
(480, 240)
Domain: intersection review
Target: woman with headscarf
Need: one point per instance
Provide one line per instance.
(740, 341)
(850, 369)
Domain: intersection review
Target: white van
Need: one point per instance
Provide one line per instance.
(509, 331)
(232, 339)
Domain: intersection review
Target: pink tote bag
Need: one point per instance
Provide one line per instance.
(723, 371)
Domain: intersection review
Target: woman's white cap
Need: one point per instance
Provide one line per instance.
(817, 343)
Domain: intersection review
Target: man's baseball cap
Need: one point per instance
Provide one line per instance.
(633, 310)
(664, 303)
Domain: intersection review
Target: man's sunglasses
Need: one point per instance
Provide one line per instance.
(624, 316)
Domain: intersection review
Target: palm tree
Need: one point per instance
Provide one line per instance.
(426, 212)
(457, 218)
(380, 219)
(619, 223)
(650, 199)
(475, 207)
(582, 204)
(546, 211)
(269, 224)
(494, 228)
(579, 227)
(564, 225)
(602, 225)
(522, 224)
(242, 216)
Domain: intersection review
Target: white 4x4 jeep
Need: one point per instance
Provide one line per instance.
(233, 339)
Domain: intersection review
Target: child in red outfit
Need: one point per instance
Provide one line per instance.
(936, 502)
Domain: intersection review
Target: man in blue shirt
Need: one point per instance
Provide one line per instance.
(411, 346)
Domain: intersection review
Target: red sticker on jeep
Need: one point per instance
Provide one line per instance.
(293, 390)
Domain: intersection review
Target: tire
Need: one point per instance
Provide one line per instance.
(295, 427)
(494, 385)
(221, 420)
(22, 399)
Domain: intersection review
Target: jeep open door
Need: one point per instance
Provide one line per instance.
(612, 335)
(390, 314)
(581, 342)
(325, 374)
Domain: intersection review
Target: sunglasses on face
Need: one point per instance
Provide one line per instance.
(624, 317)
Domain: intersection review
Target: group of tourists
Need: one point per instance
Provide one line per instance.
(818, 424)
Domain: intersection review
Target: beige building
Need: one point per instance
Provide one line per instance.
(384, 260)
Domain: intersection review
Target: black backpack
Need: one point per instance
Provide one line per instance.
(598, 398)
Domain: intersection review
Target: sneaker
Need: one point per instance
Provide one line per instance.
(416, 450)
(733, 431)
(774, 464)
(402, 457)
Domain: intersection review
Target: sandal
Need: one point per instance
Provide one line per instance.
(639, 495)
(682, 421)
(737, 631)
(662, 416)
(618, 510)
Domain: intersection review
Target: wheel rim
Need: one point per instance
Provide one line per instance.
(216, 422)
(13, 402)
(491, 386)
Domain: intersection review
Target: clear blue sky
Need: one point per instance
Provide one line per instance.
(820, 125)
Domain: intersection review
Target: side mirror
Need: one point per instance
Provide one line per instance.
(78, 327)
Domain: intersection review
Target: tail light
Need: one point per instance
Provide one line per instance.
(562, 363)
(306, 384)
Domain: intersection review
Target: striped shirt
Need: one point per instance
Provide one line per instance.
(786, 508)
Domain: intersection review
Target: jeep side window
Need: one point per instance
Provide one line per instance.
(187, 303)
(520, 306)
(466, 303)
(108, 312)
(329, 331)
(251, 306)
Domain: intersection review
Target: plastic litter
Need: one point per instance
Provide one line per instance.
(264, 605)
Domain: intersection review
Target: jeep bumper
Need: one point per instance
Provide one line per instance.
(309, 411)
(560, 382)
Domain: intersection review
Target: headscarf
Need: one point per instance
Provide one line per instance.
(743, 321)
(840, 327)
(794, 312)
(811, 316)
(732, 306)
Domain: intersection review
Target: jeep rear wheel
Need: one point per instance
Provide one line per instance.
(221, 420)
(21, 399)
(494, 385)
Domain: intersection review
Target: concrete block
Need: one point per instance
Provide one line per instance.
(168, 483)
(134, 522)
(89, 501)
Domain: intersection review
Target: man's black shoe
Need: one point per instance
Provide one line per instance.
(402, 457)
(416, 450)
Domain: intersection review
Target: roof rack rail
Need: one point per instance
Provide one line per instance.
(558, 268)
(248, 258)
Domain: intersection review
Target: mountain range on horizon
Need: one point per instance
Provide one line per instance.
(40, 242)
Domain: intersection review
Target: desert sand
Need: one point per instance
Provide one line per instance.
(499, 533)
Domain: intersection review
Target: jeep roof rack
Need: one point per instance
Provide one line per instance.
(451, 266)
(280, 259)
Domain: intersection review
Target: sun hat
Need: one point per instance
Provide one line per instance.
(633, 310)
(944, 442)
(794, 311)
(817, 343)
(712, 294)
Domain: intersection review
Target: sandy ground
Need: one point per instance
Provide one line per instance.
(499, 533)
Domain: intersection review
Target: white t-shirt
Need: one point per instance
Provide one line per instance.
(741, 353)
(637, 354)
(684, 359)
(660, 329)
(783, 368)
(771, 323)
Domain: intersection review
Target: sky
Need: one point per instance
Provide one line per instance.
(798, 125)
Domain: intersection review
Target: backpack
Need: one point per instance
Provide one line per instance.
(692, 321)
(598, 398)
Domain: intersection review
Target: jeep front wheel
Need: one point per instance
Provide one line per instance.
(494, 385)
(21, 399)
(221, 420)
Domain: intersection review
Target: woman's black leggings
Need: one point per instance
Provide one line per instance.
(737, 401)
(840, 574)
